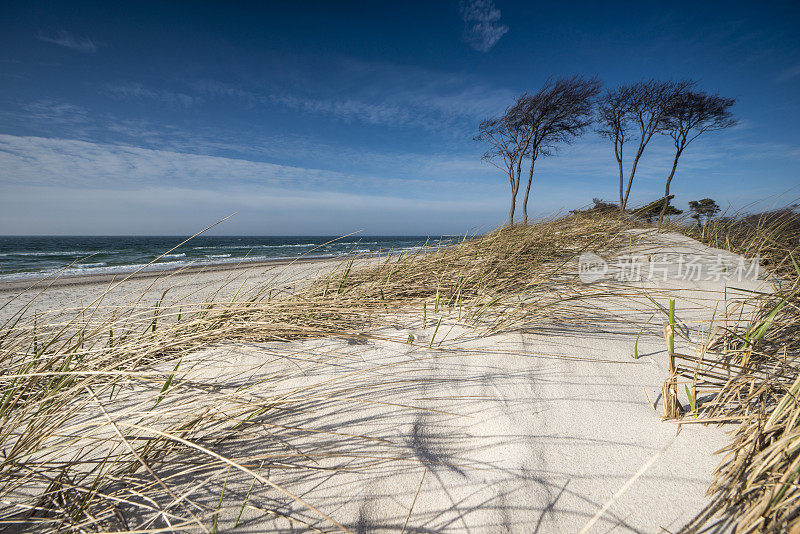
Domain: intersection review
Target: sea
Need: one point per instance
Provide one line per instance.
(28, 257)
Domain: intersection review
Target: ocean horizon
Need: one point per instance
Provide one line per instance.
(24, 257)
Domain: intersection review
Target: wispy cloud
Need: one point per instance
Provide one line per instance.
(50, 111)
(67, 40)
(43, 161)
(400, 96)
(136, 90)
(124, 189)
(39, 161)
(371, 93)
(59, 119)
(482, 28)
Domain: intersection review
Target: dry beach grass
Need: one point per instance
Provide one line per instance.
(750, 367)
(108, 425)
(61, 372)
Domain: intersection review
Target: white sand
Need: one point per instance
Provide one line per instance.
(538, 430)
(70, 294)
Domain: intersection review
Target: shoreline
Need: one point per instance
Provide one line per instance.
(188, 284)
(11, 286)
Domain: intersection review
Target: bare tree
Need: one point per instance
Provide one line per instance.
(651, 210)
(533, 126)
(508, 145)
(641, 107)
(557, 113)
(690, 115)
(612, 116)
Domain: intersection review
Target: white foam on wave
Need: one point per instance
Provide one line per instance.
(212, 259)
(53, 253)
(250, 247)
(93, 269)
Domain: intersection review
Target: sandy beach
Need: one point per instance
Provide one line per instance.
(190, 285)
(427, 424)
(530, 431)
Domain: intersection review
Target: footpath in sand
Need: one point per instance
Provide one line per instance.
(548, 428)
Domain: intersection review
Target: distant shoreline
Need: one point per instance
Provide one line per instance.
(25, 261)
(13, 286)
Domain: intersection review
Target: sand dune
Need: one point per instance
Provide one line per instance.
(546, 428)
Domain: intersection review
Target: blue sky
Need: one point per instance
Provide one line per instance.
(332, 117)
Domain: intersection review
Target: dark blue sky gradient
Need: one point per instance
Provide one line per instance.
(330, 117)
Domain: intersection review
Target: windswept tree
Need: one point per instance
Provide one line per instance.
(612, 117)
(558, 113)
(652, 210)
(507, 147)
(533, 126)
(704, 208)
(690, 115)
(636, 111)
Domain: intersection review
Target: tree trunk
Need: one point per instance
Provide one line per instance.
(642, 143)
(514, 188)
(666, 190)
(527, 192)
(519, 174)
(618, 154)
(624, 203)
(513, 206)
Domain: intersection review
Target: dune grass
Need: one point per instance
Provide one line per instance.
(772, 236)
(750, 373)
(72, 460)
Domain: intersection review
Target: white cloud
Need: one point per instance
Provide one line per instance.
(482, 29)
(38, 161)
(76, 187)
(67, 40)
(43, 161)
(49, 111)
